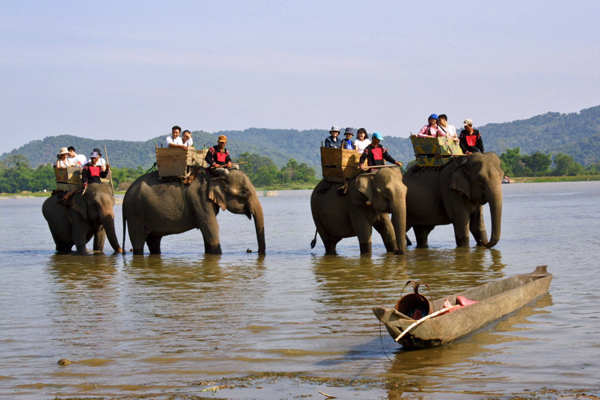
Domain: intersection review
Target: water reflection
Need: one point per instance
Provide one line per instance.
(85, 299)
(367, 281)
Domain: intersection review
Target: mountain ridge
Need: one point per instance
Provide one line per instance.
(575, 134)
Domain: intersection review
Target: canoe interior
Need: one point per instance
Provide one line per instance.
(494, 301)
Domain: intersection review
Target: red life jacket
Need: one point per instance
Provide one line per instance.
(221, 157)
(377, 153)
(471, 140)
(94, 170)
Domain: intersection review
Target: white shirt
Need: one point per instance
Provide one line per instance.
(189, 142)
(79, 160)
(59, 163)
(449, 130)
(361, 145)
(174, 141)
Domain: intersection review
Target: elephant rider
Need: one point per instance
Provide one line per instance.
(62, 159)
(431, 129)
(347, 143)
(78, 160)
(101, 161)
(174, 140)
(187, 139)
(375, 154)
(93, 171)
(218, 159)
(333, 140)
(470, 139)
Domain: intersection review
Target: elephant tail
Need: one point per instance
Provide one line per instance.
(124, 233)
(313, 242)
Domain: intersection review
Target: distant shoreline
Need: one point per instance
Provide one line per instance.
(523, 179)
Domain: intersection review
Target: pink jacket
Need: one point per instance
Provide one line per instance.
(429, 131)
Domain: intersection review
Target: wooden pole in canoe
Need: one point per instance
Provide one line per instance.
(110, 173)
(420, 321)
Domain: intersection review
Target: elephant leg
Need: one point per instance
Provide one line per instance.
(99, 239)
(153, 242)
(364, 231)
(330, 242)
(365, 248)
(80, 234)
(422, 235)
(461, 234)
(208, 225)
(61, 246)
(210, 248)
(477, 227)
(385, 228)
(137, 236)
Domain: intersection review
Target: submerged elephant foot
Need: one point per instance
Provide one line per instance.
(365, 248)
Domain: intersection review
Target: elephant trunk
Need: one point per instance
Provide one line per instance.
(109, 227)
(398, 209)
(259, 223)
(495, 202)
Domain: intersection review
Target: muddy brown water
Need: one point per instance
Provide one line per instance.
(295, 321)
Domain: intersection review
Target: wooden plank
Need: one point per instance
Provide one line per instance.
(331, 156)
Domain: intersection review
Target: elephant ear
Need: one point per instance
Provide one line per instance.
(216, 192)
(460, 182)
(364, 184)
(79, 204)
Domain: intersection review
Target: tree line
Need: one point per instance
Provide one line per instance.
(539, 164)
(17, 175)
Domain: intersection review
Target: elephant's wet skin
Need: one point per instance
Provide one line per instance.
(365, 205)
(153, 209)
(86, 214)
(454, 194)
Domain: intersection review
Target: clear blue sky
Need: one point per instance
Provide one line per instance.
(132, 69)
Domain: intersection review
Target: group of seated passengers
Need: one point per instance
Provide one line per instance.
(91, 171)
(370, 151)
(217, 158)
(469, 140)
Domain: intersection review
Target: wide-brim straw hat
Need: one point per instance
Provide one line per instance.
(63, 150)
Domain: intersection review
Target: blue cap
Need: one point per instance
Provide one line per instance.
(94, 155)
(377, 135)
(434, 116)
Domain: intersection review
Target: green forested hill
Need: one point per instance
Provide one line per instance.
(576, 134)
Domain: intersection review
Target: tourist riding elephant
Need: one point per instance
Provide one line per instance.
(154, 209)
(75, 220)
(454, 194)
(364, 206)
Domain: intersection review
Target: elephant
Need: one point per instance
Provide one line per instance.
(454, 194)
(153, 209)
(365, 205)
(85, 214)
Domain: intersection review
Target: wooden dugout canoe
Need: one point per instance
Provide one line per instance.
(494, 301)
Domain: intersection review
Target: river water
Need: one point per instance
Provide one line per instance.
(295, 321)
